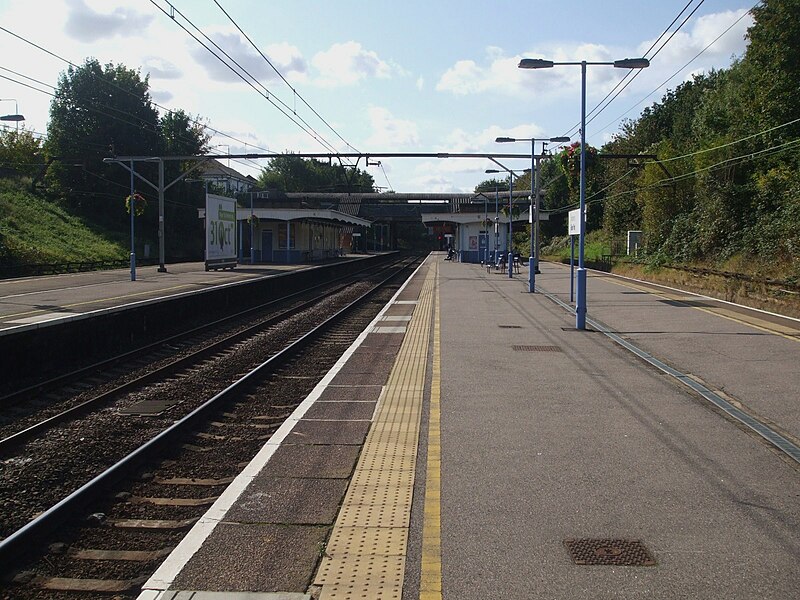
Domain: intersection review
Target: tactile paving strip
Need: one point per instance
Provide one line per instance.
(365, 557)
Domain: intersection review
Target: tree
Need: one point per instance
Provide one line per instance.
(20, 153)
(289, 173)
(97, 112)
(182, 135)
(490, 185)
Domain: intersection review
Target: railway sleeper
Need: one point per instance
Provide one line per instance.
(105, 586)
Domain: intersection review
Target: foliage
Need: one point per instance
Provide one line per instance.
(98, 111)
(570, 159)
(139, 204)
(35, 230)
(725, 189)
(20, 153)
(490, 185)
(289, 173)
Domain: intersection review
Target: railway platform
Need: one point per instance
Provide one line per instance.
(473, 444)
(31, 302)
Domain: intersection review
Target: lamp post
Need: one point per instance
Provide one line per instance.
(16, 117)
(510, 213)
(538, 63)
(533, 261)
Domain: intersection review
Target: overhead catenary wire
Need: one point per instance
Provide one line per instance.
(676, 73)
(274, 68)
(267, 95)
(630, 74)
(164, 108)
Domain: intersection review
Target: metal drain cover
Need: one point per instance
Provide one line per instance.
(623, 553)
(536, 348)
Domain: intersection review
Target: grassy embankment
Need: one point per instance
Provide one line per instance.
(721, 281)
(36, 231)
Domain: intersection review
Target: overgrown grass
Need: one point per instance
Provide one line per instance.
(34, 230)
(596, 245)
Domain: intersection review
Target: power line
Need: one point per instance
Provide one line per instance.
(274, 68)
(267, 95)
(169, 110)
(629, 73)
(628, 78)
(639, 71)
(696, 56)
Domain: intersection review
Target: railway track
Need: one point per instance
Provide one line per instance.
(174, 463)
(30, 411)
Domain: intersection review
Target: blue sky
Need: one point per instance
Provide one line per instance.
(410, 76)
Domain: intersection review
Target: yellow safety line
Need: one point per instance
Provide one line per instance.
(430, 587)
(756, 323)
(365, 557)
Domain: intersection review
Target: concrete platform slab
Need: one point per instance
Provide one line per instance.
(329, 432)
(341, 411)
(289, 501)
(300, 460)
(278, 558)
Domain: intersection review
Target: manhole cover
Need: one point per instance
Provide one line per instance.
(536, 348)
(624, 553)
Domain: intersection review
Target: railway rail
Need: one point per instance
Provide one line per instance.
(182, 455)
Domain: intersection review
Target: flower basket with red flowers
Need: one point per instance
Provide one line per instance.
(571, 161)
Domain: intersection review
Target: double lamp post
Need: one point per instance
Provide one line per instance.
(533, 261)
(538, 63)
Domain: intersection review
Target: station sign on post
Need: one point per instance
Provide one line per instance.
(220, 232)
(575, 222)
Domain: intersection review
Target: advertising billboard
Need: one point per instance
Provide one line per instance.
(220, 232)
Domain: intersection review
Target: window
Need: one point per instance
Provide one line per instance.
(282, 236)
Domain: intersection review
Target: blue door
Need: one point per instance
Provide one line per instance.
(266, 245)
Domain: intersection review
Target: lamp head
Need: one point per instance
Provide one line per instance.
(535, 63)
(501, 140)
(559, 140)
(632, 63)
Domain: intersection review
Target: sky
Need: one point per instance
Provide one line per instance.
(384, 76)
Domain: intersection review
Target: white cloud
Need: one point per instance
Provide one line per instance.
(420, 83)
(286, 58)
(389, 131)
(348, 63)
(87, 25)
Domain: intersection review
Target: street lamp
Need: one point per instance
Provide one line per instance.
(16, 117)
(538, 63)
(533, 261)
(510, 213)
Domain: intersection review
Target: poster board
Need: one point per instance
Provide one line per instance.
(220, 232)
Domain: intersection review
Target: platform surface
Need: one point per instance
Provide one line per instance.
(494, 438)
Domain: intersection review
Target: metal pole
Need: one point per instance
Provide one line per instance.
(496, 220)
(252, 234)
(510, 227)
(534, 201)
(571, 269)
(580, 306)
(161, 267)
(486, 230)
(132, 207)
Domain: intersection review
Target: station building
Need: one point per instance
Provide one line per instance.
(297, 227)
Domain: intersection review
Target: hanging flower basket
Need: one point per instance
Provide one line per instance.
(139, 204)
(252, 220)
(571, 158)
